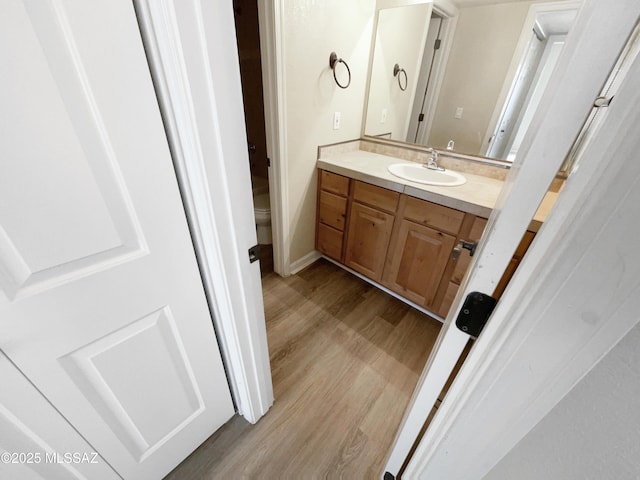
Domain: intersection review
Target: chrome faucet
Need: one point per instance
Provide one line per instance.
(432, 161)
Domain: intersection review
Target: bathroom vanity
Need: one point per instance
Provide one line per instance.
(402, 235)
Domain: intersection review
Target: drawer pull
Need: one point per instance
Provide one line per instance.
(471, 246)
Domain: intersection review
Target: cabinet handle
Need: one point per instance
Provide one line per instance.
(471, 246)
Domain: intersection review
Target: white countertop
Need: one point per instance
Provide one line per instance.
(477, 196)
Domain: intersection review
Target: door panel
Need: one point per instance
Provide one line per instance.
(103, 308)
(35, 436)
(86, 218)
(105, 369)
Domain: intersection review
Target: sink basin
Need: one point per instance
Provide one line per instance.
(416, 172)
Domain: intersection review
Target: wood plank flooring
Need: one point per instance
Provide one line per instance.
(345, 358)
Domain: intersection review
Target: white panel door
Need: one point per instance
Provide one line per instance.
(35, 441)
(101, 302)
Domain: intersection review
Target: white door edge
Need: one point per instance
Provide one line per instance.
(588, 222)
(270, 15)
(598, 37)
(235, 297)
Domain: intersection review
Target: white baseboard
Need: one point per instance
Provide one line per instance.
(304, 262)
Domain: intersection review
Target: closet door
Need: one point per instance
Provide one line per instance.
(35, 441)
(101, 302)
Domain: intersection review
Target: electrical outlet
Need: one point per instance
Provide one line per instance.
(383, 116)
(336, 120)
(459, 112)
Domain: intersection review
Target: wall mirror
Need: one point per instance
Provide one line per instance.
(465, 75)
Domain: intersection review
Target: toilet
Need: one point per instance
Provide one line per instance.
(262, 209)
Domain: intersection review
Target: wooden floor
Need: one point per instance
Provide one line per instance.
(345, 358)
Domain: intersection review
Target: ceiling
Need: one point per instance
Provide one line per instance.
(551, 23)
(475, 3)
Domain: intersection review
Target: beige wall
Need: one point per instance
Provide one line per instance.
(312, 30)
(400, 38)
(483, 46)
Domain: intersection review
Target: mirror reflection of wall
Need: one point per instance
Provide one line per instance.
(400, 39)
(479, 90)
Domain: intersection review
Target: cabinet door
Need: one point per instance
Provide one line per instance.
(367, 240)
(417, 262)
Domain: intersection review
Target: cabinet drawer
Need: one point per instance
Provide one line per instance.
(377, 197)
(436, 216)
(334, 183)
(330, 241)
(333, 210)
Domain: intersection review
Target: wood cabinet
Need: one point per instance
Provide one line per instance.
(333, 210)
(409, 245)
(333, 191)
(513, 264)
(464, 260)
(461, 264)
(367, 240)
(416, 262)
(371, 218)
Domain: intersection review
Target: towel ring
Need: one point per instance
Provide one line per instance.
(397, 71)
(333, 61)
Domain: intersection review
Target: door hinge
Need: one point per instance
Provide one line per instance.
(436, 45)
(475, 312)
(268, 162)
(421, 117)
(602, 101)
(254, 253)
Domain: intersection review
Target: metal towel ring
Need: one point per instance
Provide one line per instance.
(396, 73)
(333, 60)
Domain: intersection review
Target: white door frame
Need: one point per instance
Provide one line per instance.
(449, 14)
(592, 48)
(196, 74)
(535, 10)
(270, 15)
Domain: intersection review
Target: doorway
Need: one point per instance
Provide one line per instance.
(543, 47)
(249, 56)
(429, 71)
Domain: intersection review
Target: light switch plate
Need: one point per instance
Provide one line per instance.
(336, 120)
